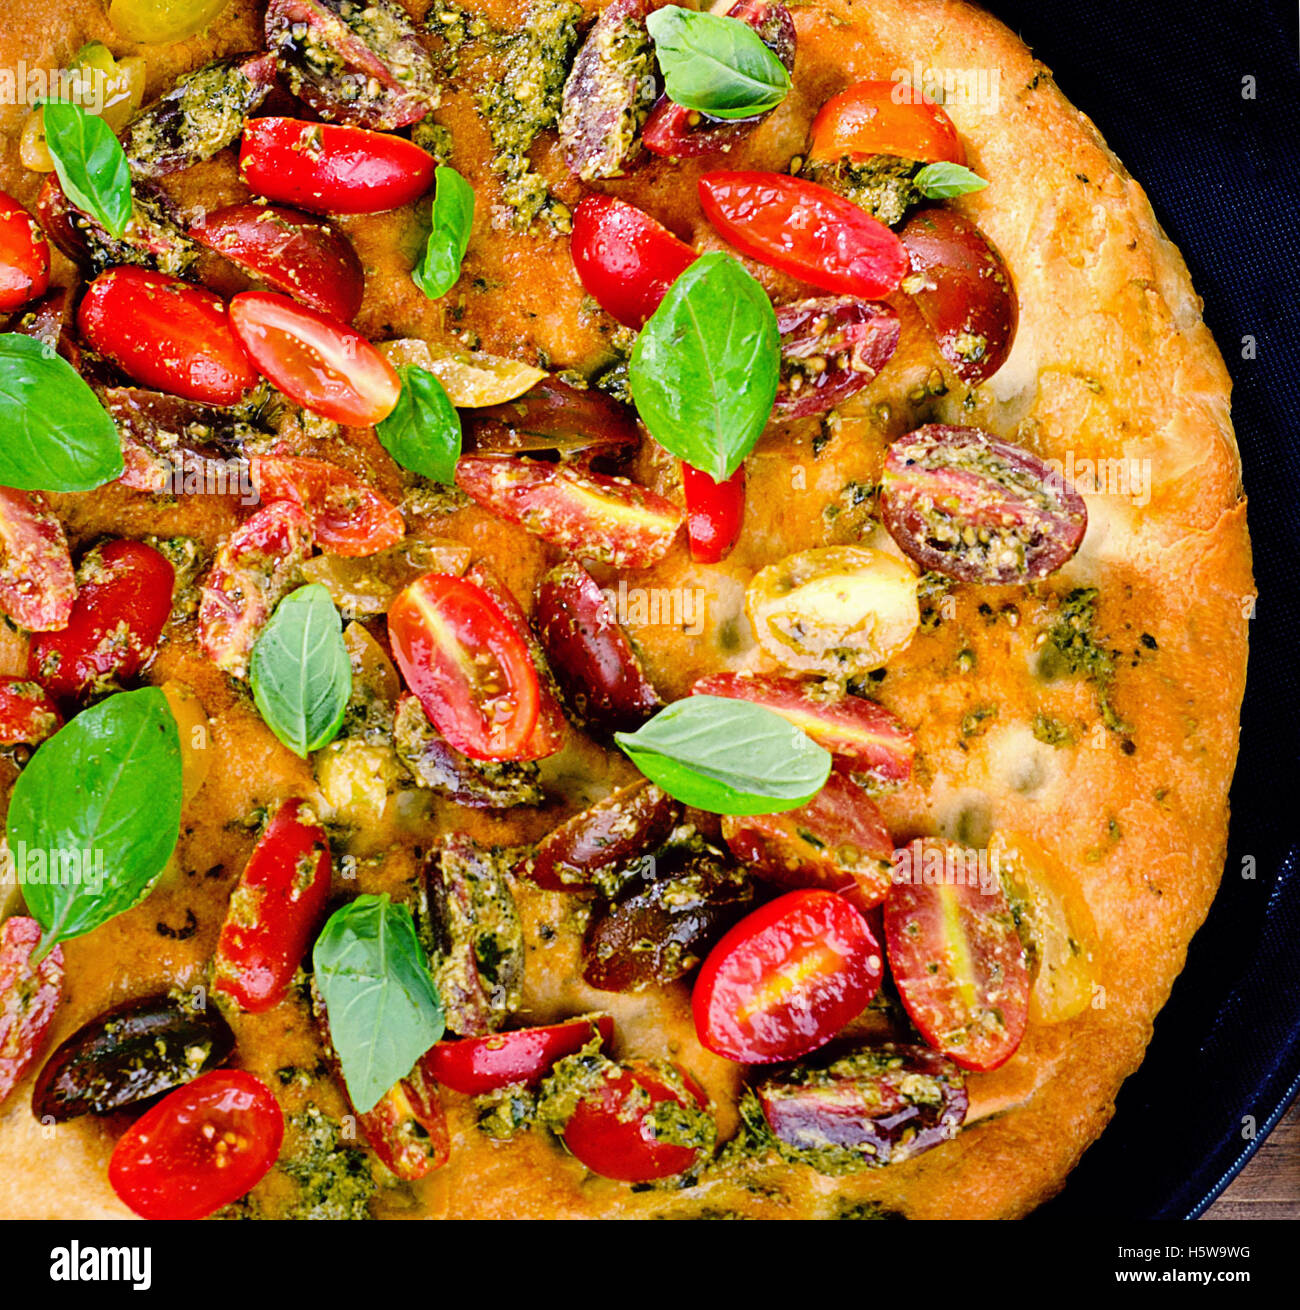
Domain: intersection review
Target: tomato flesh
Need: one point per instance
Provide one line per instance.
(201, 1147)
(467, 665)
(786, 979)
(805, 230)
(24, 256)
(624, 258)
(407, 1128)
(348, 516)
(475, 1065)
(37, 586)
(166, 335)
(27, 714)
(866, 120)
(955, 954)
(274, 911)
(715, 512)
(29, 997)
(317, 361)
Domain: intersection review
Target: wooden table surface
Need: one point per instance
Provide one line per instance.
(1269, 1186)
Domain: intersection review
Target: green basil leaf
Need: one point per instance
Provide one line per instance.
(423, 431)
(57, 436)
(91, 164)
(940, 180)
(95, 815)
(383, 1005)
(300, 671)
(728, 756)
(717, 65)
(704, 369)
(453, 216)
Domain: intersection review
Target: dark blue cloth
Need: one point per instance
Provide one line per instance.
(1164, 84)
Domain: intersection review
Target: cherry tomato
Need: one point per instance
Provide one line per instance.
(27, 714)
(37, 588)
(612, 1129)
(786, 979)
(714, 512)
(348, 516)
(474, 1065)
(301, 256)
(166, 334)
(29, 996)
(317, 361)
(274, 911)
(624, 258)
(467, 664)
(201, 1147)
(331, 168)
(24, 256)
(955, 954)
(866, 120)
(124, 600)
(553, 416)
(804, 230)
(407, 1128)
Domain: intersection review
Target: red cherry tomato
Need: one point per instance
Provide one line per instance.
(624, 258)
(124, 601)
(29, 996)
(867, 120)
(330, 168)
(166, 334)
(467, 664)
(27, 714)
(714, 512)
(611, 1129)
(301, 256)
(407, 1128)
(37, 587)
(955, 954)
(804, 230)
(317, 361)
(475, 1065)
(274, 910)
(786, 979)
(348, 516)
(24, 256)
(201, 1147)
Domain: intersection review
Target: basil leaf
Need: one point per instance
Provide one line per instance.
(717, 65)
(423, 431)
(300, 671)
(728, 756)
(91, 164)
(705, 367)
(940, 180)
(95, 815)
(453, 216)
(383, 1006)
(57, 436)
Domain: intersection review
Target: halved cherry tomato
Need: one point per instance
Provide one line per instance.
(867, 120)
(330, 168)
(29, 996)
(804, 230)
(786, 979)
(469, 667)
(301, 256)
(867, 737)
(348, 516)
(612, 1130)
(274, 911)
(474, 1065)
(124, 600)
(407, 1128)
(317, 361)
(955, 954)
(166, 334)
(624, 258)
(590, 515)
(27, 714)
(201, 1147)
(714, 512)
(37, 589)
(24, 256)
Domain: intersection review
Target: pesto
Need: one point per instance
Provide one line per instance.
(334, 1178)
(883, 185)
(1073, 649)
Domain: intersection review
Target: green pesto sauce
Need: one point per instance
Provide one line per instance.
(1073, 649)
(334, 1178)
(882, 185)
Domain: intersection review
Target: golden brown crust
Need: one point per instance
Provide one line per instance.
(1112, 361)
